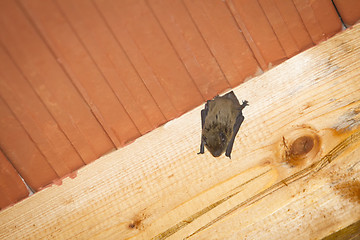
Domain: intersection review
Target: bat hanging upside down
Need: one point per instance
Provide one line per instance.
(220, 121)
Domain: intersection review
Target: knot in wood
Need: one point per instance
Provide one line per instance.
(301, 146)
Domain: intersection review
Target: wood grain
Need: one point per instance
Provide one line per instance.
(294, 172)
(351, 232)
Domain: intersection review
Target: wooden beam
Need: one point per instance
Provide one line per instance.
(294, 172)
(351, 232)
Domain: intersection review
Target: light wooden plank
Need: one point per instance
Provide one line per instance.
(351, 232)
(158, 187)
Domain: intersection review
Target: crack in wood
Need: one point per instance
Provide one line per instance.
(313, 168)
(193, 217)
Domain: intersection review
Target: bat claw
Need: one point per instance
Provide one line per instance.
(243, 105)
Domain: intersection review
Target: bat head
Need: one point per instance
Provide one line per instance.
(216, 139)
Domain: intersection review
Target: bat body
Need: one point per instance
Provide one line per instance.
(220, 121)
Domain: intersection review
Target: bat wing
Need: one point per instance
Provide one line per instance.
(238, 122)
(204, 113)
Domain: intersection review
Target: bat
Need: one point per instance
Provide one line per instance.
(220, 122)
